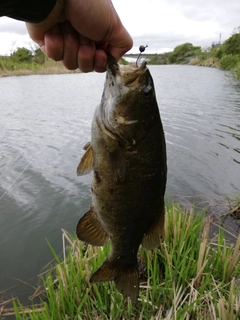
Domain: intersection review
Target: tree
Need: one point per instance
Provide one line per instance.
(39, 57)
(232, 44)
(22, 55)
(236, 30)
(182, 51)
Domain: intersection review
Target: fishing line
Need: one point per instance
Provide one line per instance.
(6, 191)
(14, 181)
(18, 176)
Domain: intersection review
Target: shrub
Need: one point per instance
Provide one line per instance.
(237, 69)
(229, 62)
(22, 55)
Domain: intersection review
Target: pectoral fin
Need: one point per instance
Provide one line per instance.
(90, 230)
(86, 163)
(154, 234)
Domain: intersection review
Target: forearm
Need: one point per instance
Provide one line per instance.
(26, 10)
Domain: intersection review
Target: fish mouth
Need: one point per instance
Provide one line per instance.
(124, 76)
(120, 81)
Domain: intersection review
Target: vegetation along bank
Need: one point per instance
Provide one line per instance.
(226, 56)
(191, 275)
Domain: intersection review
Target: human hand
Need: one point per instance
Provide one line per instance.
(80, 33)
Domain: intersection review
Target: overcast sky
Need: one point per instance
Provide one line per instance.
(162, 24)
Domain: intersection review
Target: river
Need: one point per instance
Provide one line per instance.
(44, 123)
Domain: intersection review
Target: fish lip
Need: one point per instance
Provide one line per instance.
(112, 64)
(129, 74)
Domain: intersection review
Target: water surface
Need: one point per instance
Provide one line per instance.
(44, 123)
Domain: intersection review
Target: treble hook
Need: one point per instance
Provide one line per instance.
(141, 49)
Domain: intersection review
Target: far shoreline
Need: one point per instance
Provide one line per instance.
(59, 68)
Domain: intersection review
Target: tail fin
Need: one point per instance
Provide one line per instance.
(126, 279)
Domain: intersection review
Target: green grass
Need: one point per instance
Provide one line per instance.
(190, 276)
(229, 62)
(237, 70)
(233, 208)
(9, 67)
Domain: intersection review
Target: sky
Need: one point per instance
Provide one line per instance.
(161, 24)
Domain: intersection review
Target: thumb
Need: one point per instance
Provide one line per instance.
(120, 44)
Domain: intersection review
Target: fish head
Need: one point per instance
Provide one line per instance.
(129, 102)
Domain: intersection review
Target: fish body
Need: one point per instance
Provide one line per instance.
(127, 154)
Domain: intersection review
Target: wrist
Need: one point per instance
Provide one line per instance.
(29, 10)
(37, 30)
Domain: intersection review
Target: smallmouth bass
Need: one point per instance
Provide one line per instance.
(127, 154)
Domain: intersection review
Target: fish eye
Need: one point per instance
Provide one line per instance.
(146, 91)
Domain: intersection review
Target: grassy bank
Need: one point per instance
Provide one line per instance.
(190, 276)
(11, 68)
(209, 62)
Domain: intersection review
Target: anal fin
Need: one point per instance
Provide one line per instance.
(86, 163)
(90, 230)
(154, 234)
(126, 279)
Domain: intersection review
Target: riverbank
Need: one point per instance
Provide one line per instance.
(53, 67)
(214, 62)
(9, 68)
(58, 68)
(49, 67)
(224, 56)
(210, 62)
(191, 275)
